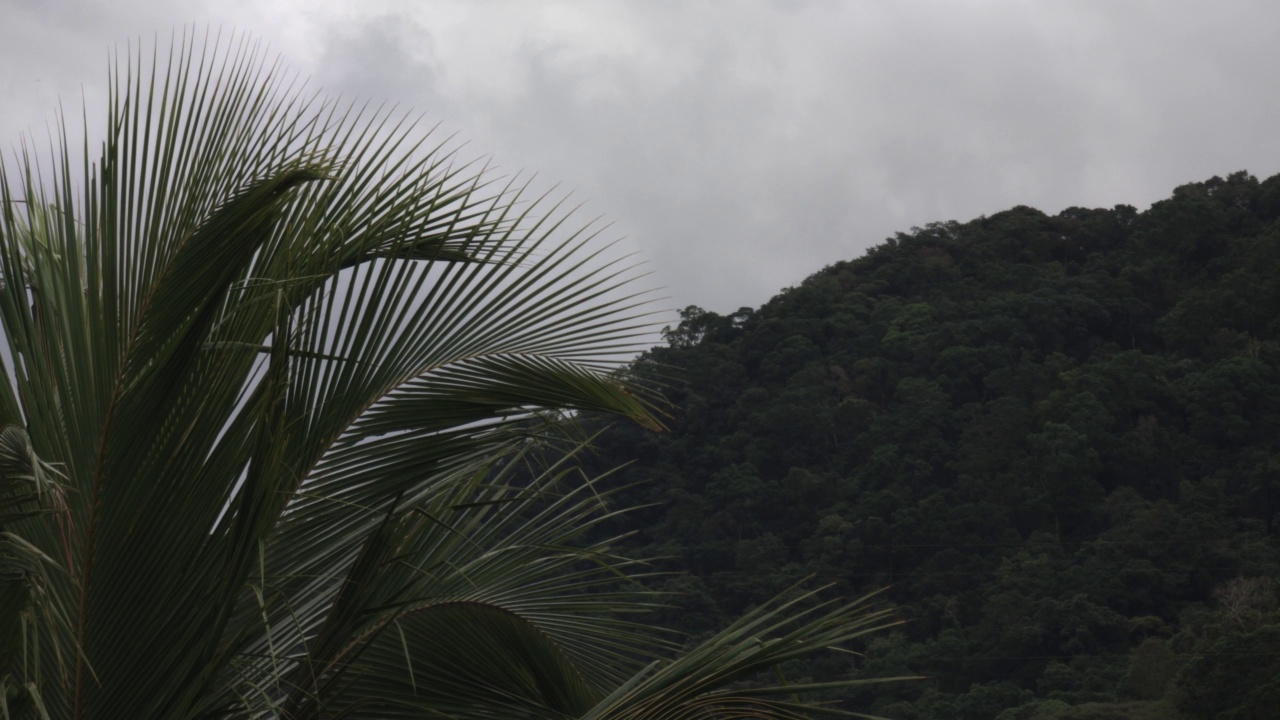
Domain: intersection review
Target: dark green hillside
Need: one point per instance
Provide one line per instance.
(1057, 438)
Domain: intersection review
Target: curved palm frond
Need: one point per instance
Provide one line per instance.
(272, 366)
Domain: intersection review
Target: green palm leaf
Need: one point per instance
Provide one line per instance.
(275, 373)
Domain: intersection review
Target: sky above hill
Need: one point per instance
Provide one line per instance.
(740, 146)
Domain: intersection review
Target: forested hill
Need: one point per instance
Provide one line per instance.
(1054, 437)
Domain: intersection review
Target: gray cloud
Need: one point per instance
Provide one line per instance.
(741, 146)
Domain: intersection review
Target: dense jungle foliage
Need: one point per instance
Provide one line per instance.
(1053, 438)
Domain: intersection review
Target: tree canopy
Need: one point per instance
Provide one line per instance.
(1054, 437)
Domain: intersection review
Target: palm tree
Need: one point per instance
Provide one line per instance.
(277, 378)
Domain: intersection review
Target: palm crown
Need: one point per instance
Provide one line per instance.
(270, 366)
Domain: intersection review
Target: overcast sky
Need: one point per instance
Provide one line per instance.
(742, 145)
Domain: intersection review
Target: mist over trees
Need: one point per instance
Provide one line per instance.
(1053, 438)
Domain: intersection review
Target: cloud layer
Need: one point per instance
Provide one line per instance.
(742, 145)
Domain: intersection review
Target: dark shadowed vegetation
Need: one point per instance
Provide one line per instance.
(1055, 438)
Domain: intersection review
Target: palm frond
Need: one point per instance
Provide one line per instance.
(273, 366)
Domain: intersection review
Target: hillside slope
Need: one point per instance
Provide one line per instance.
(1055, 438)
